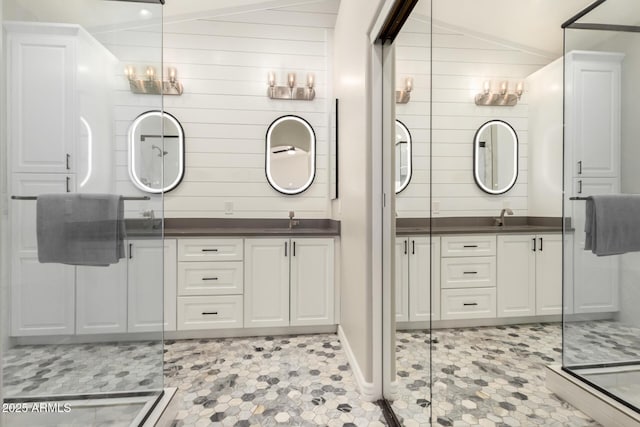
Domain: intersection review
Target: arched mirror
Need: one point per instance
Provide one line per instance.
(495, 157)
(290, 154)
(403, 156)
(156, 152)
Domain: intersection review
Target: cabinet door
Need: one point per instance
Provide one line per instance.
(595, 279)
(42, 295)
(516, 289)
(41, 117)
(402, 279)
(312, 287)
(152, 288)
(549, 274)
(266, 285)
(594, 112)
(424, 278)
(101, 299)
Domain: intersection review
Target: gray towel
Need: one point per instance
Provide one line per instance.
(80, 229)
(612, 224)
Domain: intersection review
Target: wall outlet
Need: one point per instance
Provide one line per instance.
(435, 207)
(228, 208)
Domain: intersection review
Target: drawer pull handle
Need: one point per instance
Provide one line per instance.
(209, 278)
(470, 246)
(470, 272)
(470, 303)
(206, 313)
(209, 250)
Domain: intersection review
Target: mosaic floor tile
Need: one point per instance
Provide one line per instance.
(492, 376)
(286, 380)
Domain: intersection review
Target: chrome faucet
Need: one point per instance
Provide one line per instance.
(292, 222)
(500, 221)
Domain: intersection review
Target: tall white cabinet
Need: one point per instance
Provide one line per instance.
(592, 162)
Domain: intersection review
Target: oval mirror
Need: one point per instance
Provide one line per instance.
(156, 152)
(495, 157)
(290, 154)
(403, 156)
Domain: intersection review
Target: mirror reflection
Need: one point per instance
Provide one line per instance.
(403, 156)
(495, 157)
(156, 152)
(290, 155)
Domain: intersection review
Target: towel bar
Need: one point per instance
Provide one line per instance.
(36, 198)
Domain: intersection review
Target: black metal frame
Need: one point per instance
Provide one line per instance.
(574, 25)
(600, 388)
(315, 155)
(395, 20)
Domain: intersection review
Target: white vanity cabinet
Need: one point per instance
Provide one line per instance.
(468, 281)
(266, 298)
(289, 282)
(529, 275)
(417, 275)
(101, 299)
(151, 289)
(210, 283)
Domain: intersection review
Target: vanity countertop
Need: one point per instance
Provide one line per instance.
(211, 227)
(477, 225)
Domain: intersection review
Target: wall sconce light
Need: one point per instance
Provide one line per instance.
(151, 85)
(290, 91)
(502, 98)
(403, 96)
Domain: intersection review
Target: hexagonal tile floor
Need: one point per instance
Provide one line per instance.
(286, 380)
(491, 376)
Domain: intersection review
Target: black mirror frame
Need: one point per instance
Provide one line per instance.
(266, 155)
(475, 153)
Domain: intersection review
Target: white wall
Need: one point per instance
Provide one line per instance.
(461, 63)
(545, 136)
(353, 86)
(223, 63)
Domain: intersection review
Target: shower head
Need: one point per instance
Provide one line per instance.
(160, 152)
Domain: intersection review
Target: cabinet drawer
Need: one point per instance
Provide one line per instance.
(210, 278)
(210, 250)
(473, 303)
(454, 246)
(210, 312)
(471, 272)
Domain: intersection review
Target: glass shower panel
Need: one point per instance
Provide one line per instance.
(601, 325)
(85, 316)
(416, 251)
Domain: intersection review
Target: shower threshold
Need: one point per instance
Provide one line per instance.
(137, 409)
(605, 408)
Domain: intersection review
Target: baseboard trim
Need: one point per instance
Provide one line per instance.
(367, 389)
(595, 404)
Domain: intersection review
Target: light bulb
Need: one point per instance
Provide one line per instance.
(486, 87)
(291, 79)
(408, 84)
(504, 87)
(151, 73)
(310, 80)
(272, 79)
(519, 88)
(172, 74)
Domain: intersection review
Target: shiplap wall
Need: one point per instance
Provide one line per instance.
(223, 63)
(461, 63)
